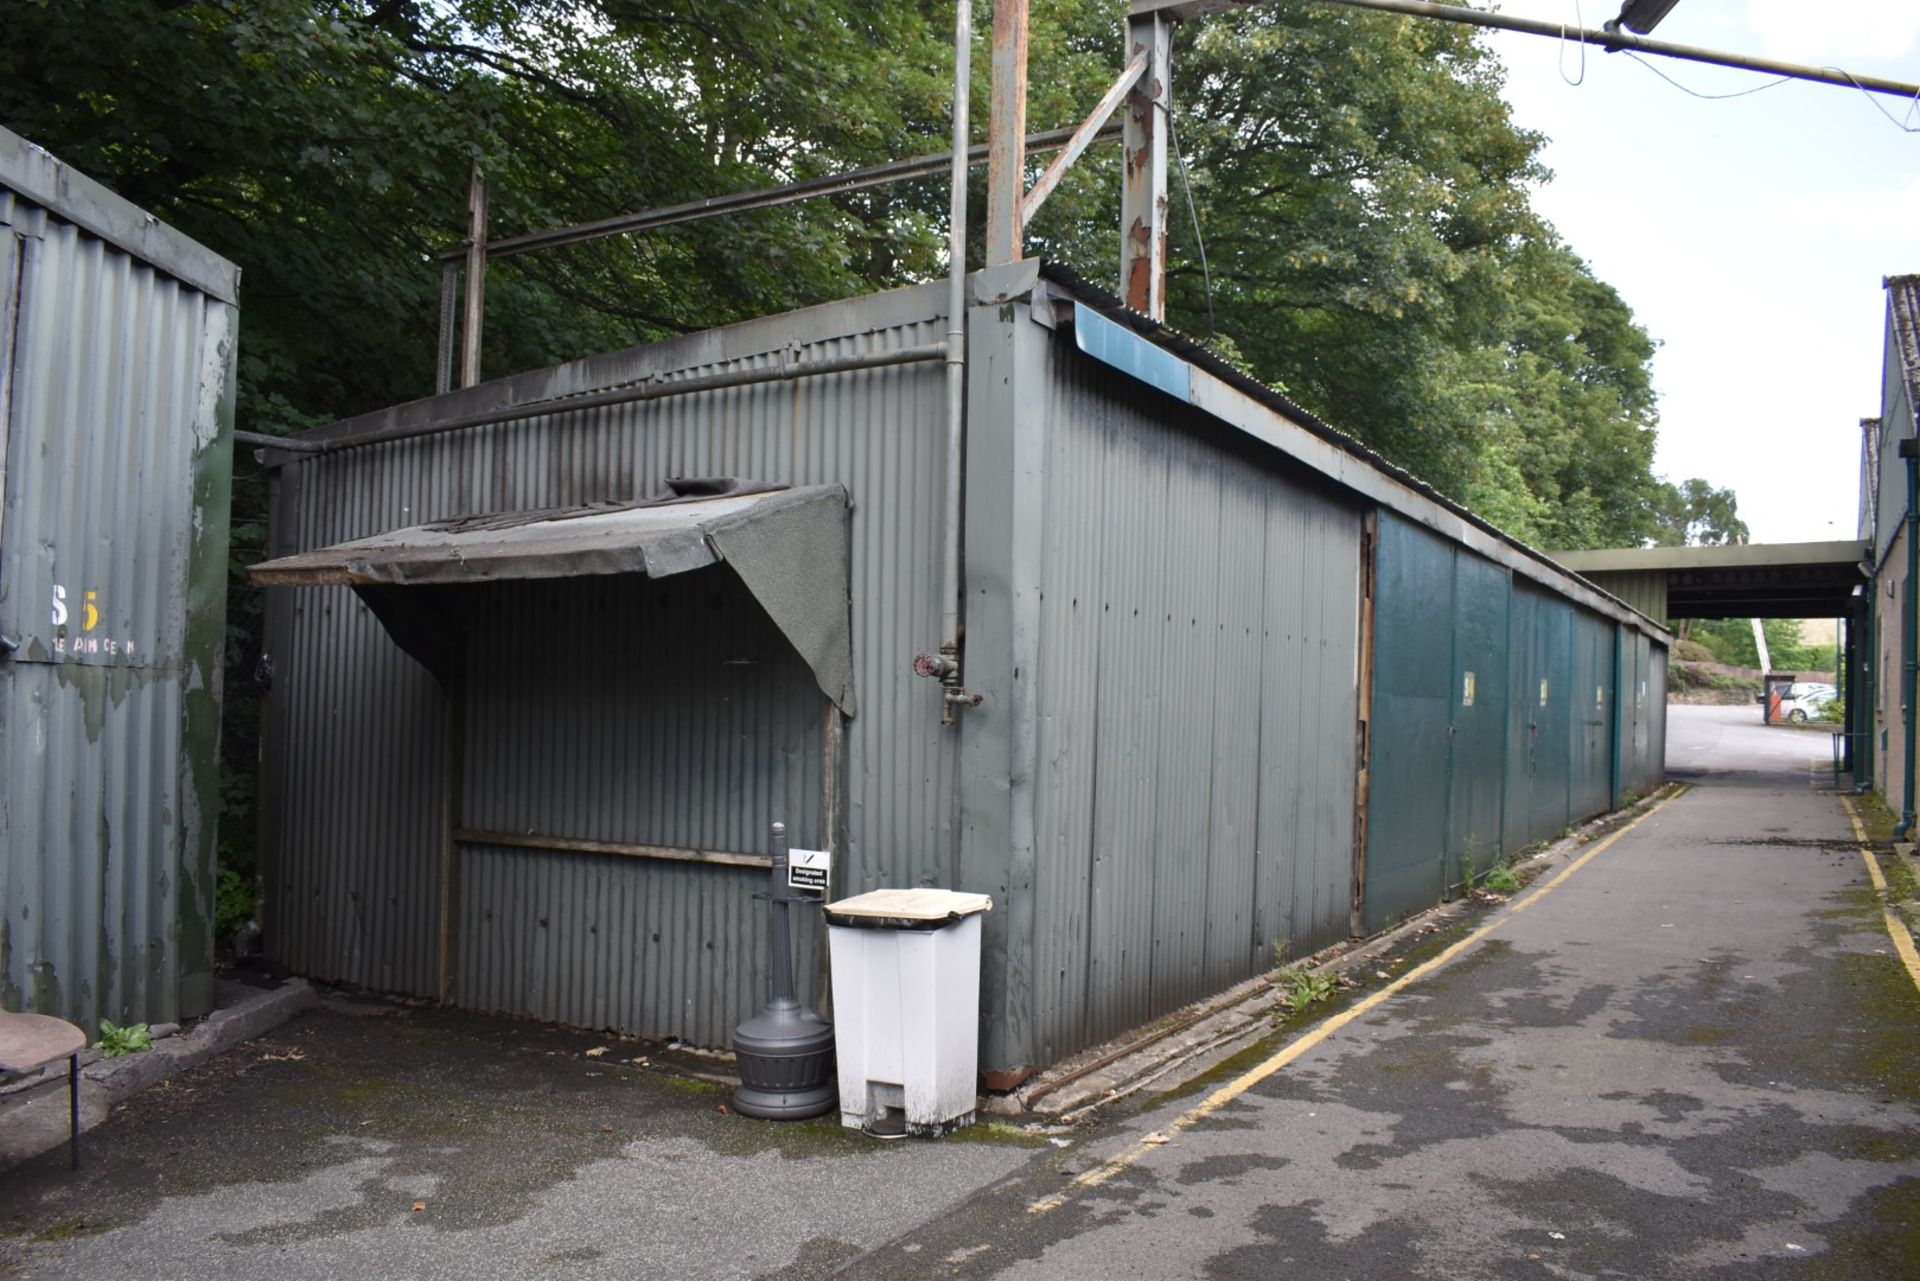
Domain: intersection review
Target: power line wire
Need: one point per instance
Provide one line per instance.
(1579, 21)
(1186, 183)
(1695, 93)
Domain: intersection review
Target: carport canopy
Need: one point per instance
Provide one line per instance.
(788, 546)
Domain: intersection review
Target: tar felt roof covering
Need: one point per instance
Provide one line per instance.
(789, 546)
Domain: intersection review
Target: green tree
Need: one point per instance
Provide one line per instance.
(1363, 193)
(1731, 641)
(1695, 514)
(1363, 199)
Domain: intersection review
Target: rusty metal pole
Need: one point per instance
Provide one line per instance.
(449, 309)
(476, 278)
(1143, 195)
(1007, 133)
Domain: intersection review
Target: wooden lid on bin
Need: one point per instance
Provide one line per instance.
(908, 909)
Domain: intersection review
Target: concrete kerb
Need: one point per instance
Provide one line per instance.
(33, 1114)
(1193, 1040)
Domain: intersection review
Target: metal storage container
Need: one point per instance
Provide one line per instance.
(117, 340)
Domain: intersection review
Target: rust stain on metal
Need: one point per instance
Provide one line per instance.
(1000, 1080)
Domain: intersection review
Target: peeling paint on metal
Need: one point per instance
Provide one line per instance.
(112, 572)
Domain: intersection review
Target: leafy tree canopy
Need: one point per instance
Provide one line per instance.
(1361, 192)
(1695, 514)
(1360, 189)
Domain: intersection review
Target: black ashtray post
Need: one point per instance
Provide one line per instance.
(785, 1052)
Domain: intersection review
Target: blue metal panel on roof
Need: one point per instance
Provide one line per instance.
(1131, 354)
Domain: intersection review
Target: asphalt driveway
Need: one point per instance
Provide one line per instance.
(1692, 1052)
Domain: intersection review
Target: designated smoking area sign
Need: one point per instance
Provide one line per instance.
(807, 869)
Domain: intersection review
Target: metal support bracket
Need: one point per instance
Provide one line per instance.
(1082, 138)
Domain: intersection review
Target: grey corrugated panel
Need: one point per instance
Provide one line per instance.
(1310, 730)
(1402, 492)
(118, 398)
(1239, 638)
(1196, 683)
(662, 949)
(1899, 390)
(705, 694)
(32, 175)
(1644, 589)
(364, 707)
(1075, 613)
(1182, 681)
(1127, 729)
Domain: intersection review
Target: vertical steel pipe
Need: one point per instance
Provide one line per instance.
(956, 364)
(1909, 643)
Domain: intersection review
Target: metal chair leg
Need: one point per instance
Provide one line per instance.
(73, 1109)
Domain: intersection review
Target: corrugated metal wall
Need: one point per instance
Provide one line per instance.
(1897, 423)
(1535, 749)
(1655, 768)
(693, 725)
(1478, 761)
(1412, 712)
(117, 401)
(1196, 698)
(354, 740)
(1160, 786)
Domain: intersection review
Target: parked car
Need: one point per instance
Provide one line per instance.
(1804, 699)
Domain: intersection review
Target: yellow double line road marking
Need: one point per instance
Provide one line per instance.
(1293, 1049)
(1896, 928)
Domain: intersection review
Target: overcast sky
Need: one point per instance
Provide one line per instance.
(1749, 235)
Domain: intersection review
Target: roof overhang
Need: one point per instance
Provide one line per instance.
(788, 546)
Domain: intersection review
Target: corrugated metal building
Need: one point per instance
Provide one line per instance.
(1885, 612)
(117, 339)
(1243, 684)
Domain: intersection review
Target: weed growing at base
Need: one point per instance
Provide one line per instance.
(116, 1040)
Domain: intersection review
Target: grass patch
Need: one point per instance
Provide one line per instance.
(1501, 880)
(996, 1133)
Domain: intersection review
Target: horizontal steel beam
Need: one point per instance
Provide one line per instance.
(1612, 41)
(621, 849)
(278, 442)
(765, 198)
